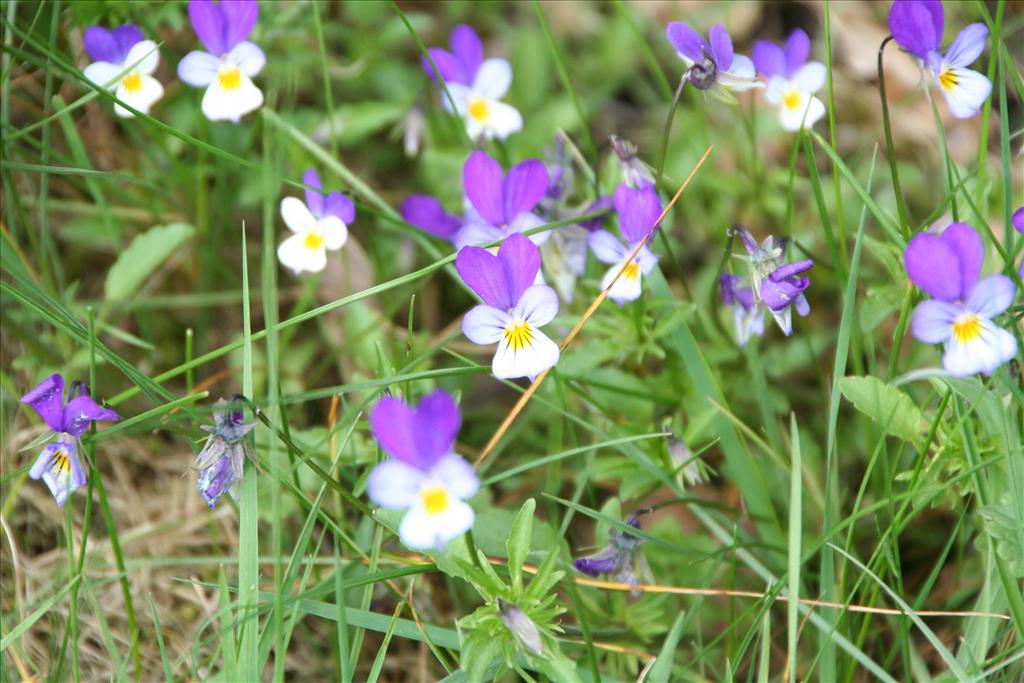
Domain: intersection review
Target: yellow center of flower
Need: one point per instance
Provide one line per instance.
(791, 100)
(519, 335)
(967, 327)
(479, 110)
(230, 78)
(948, 79)
(132, 83)
(60, 463)
(631, 271)
(313, 241)
(435, 500)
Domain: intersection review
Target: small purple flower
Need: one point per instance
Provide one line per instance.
(501, 204)
(1018, 220)
(427, 213)
(58, 463)
(960, 312)
(792, 80)
(462, 63)
(319, 224)
(230, 62)
(620, 560)
(777, 285)
(747, 315)
(635, 172)
(222, 459)
(521, 626)
(712, 62)
(423, 475)
(513, 309)
(918, 25)
(123, 62)
(638, 209)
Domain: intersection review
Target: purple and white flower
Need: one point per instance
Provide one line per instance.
(222, 459)
(918, 25)
(424, 475)
(513, 309)
(635, 172)
(792, 80)
(778, 285)
(123, 62)
(638, 209)
(476, 85)
(501, 205)
(230, 63)
(620, 560)
(318, 224)
(58, 464)
(962, 307)
(748, 317)
(712, 63)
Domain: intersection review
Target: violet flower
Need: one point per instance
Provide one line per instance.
(423, 475)
(620, 559)
(1018, 220)
(638, 209)
(514, 308)
(792, 80)
(319, 224)
(58, 464)
(748, 317)
(123, 62)
(635, 172)
(777, 285)
(427, 213)
(918, 25)
(962, 307)
(227, 67)
(222, 459)
(521, 626)
(501, 205)
(711, 65)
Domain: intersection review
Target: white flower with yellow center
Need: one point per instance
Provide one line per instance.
(479, 103)
(306, 249)
(124, 65)
(792, 80)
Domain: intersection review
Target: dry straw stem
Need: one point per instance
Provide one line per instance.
(521, 403)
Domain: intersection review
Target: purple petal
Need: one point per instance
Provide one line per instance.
(340, 205)
(603, 562)
(932, 322)
(777, 295)
(728, 285)
(797, 50)
(745, 296)
(427, 213)
(437, 421)
(686, 41)
(126, 37)
(599, 204)
(968, 45)
(525, 186)
(790, 269)
(394, 426)
(769, 59)
(79, 412)
(468, 49)
(917, 25)
(101, 45)
(638, 210)
(314, 198)
(1018, 219)
(520, 259)
(208, 23)
(239, 18)
(446, 63)
(965, 243)
(485, 275)
(482, 180)
(721, 46)
(933, 266)
(47, 399)
(749, 243)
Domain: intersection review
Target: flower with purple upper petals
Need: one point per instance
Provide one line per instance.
(58, 463)
(918, 25)
(711, 63)
(319, 224)
(962, 307)
(747, 315)
(638, 209)
(792, 80)
(222, 459)
(501, 205)
(228, 66)
(427, 213)
(777, 285)
(620, 559)
(423, 474)
(513, 309)
(123, 62)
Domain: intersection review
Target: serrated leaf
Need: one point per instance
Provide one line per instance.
(892, 409)
(1004, 522)
(144, 255)
(518, 544)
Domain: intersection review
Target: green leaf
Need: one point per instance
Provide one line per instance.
(146, 252)
(518, 543)
(481, 650)
(892, 409)
(1004, 522)
(661, 672)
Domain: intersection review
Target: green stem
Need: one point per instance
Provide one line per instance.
(667, 131)
(893, 166)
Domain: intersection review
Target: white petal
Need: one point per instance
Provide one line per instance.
(103, 73)
(969, 93)
(476, 234)
(991, 296)
(527, 361)
(504, 120)
(198, 69)
(142, 99)
(485, 324)
(460, 94)
(808, 110)
(296, 215)
(144, 57)
(457, 475)
(993, 347)
(538, 306)
(394, 484)
(333, 230)
(529, 221)
(810, 77)
(607, 248)
(224, 105)
(493, 79)
(777, 87)
(422, 531)
(249, 58)
(647, 259)
(741, 75)
(294, 254)
(625, 289)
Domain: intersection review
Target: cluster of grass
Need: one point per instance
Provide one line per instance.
(838, 466)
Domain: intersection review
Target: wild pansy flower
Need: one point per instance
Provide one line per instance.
(229, 64)
(777, 285)
(962, 307)
(123, 62)
(501, 205)
(427, 213)
(635, 172)
(521, 626)
(711, 63)
(748, 317)
(514, 308)
(319, 224)
(620, 560)
(918, 25)
(423, 475)
(637, 209)
(222, 459)
(58, 463)
(476, 85)
(792, 80)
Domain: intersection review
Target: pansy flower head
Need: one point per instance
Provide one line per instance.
(778, 285)
(318, 224)
(501, 205)
(792, 80)
(748, 317)
(918, 25)
(423, 474)
(221, 461)
(427, 213)
(230, 62)
(620, 559)
(712, 62)
(638, 210)
(124, 63)
(962, 307)
(58, 464)
(513, 309)
(635, 171)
